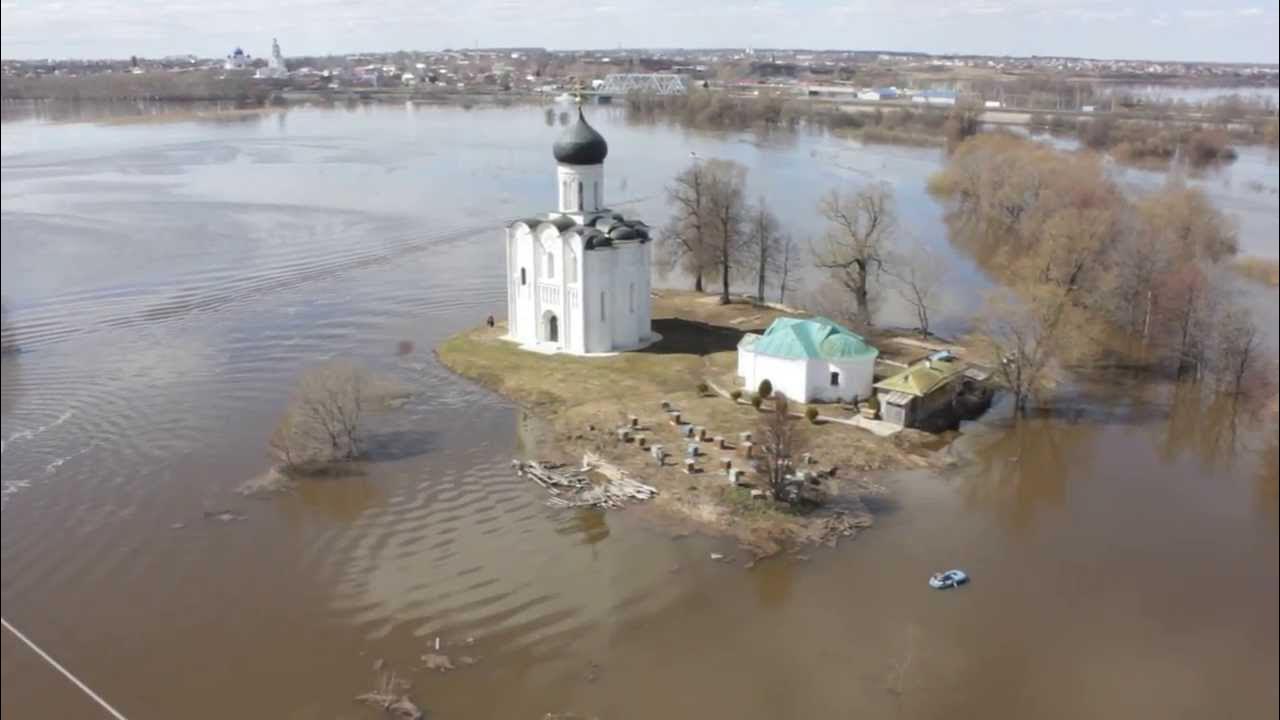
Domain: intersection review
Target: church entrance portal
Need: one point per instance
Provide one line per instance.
(551, 327)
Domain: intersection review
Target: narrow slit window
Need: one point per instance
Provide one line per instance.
(524, 280)
(602, 314)
(835, 379)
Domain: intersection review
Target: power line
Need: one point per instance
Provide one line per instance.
(96, 697)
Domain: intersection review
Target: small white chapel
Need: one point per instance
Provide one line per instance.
(578, 278)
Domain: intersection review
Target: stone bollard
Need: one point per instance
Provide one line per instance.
(746, 450)
(806, 459)
(675, 417)
(735, 476)
(744, 437)
(726, 463)
(658, 454)
(719, 441)
(641, 441)
(702, 434)
(688, 431)
(691, 450)
(634, 421)
(624, 434)
(690, 466)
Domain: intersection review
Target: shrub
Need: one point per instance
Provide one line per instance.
(323, 424)
(757, 401)
(811, 414)
(736, 395)
(765, 389)
(703, 388)
(1207, 146)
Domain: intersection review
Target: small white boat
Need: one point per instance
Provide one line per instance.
(948, 579)
(565, 98)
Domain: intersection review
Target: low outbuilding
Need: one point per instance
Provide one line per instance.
(910, 398)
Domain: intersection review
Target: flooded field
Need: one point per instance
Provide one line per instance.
(166, 283)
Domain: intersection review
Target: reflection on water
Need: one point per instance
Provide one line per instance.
(1025, 467)
(168, 283)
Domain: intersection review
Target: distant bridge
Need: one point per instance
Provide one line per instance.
(646, 83)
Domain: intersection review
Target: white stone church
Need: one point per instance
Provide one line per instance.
(578, 278)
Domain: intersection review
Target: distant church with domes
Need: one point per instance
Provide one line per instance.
(578, 278)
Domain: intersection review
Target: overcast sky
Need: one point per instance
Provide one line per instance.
(1222, 30)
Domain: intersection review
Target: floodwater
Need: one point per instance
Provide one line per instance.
(167, 282)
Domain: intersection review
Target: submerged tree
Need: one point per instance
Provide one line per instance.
(861, 226)
(1024, 334)
(1118, 275)
(323, 423)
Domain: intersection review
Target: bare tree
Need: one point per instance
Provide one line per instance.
(765, 244)
(322, 424)
(726, 216)
(780, 438)
(684, 238)
(787, 257)
(1239, 354)
(1022, 333)
(860, 227)
(919, 273)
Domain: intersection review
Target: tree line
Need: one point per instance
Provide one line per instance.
(1089, 275)
(717, 235)
(1093, 276)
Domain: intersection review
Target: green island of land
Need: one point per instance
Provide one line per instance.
(586, 399)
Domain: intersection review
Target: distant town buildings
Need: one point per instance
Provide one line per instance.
(935, 97)
(237, 60)
(843, 76)
(275, 68)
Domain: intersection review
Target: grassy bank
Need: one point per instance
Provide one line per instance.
(586, 399)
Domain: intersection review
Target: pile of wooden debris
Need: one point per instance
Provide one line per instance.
(574, 487)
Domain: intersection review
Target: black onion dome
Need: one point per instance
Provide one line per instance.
(580, 144)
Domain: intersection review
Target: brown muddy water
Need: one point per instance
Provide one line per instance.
(166, 283)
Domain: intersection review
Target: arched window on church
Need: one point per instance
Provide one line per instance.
(523, 279)
(570, 265)
(551, 265)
